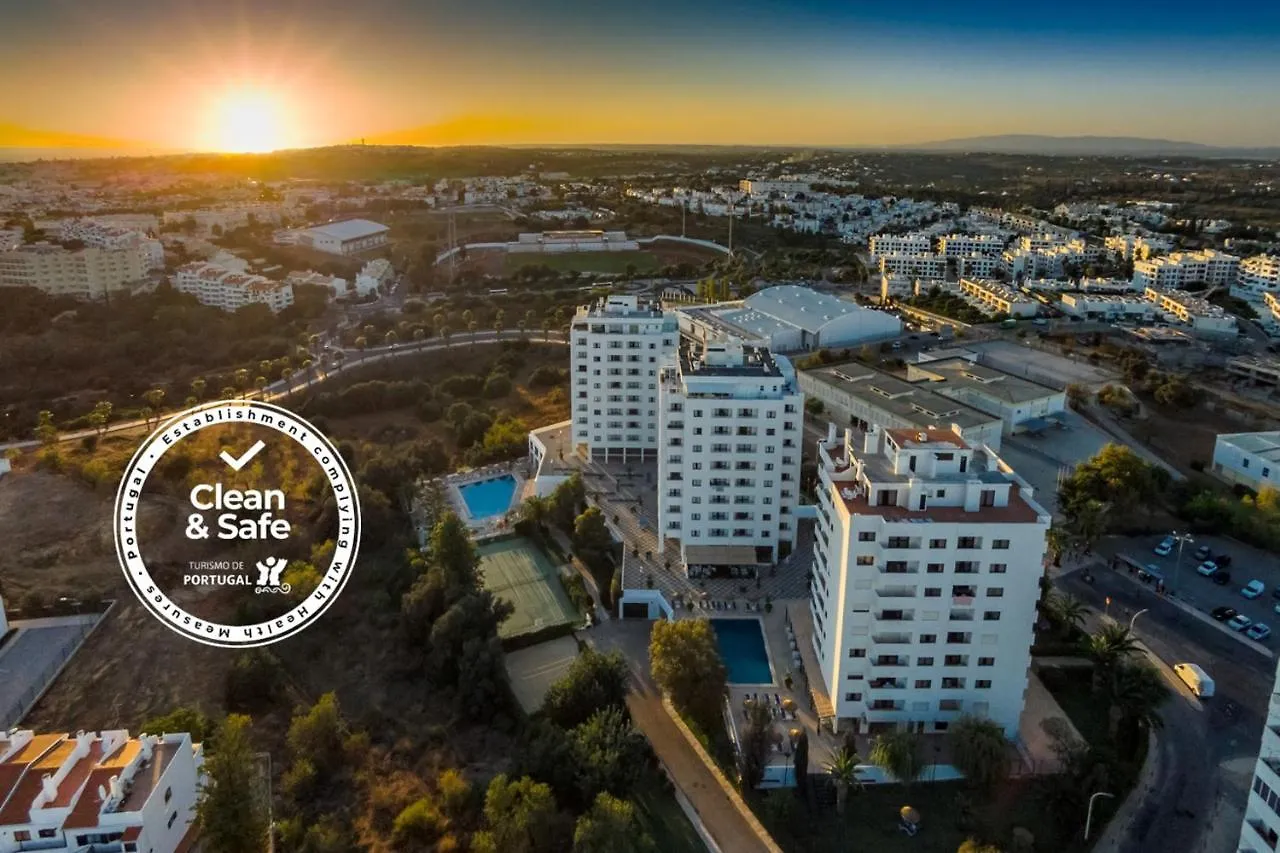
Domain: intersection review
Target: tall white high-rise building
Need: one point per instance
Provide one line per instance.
(729, 463)
(1261, 829)
(618, 345)
(927, 561)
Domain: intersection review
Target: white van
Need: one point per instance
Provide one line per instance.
(1195, 678)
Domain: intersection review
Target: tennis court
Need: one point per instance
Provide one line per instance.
(516, 570)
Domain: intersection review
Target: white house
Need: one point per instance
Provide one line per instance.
(373, 275)
(1248, 458)
(98, 791)
(927, 565)
(222, 288)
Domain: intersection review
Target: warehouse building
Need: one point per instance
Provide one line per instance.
(1021, 405)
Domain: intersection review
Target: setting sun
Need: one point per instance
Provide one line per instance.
(249, 121)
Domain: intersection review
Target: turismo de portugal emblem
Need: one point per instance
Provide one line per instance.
(237, 523)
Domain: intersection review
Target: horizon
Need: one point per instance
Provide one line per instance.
(269, 76)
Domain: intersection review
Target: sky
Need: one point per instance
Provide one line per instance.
(240, 75)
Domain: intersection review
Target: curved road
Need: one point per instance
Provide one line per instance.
(352, 358)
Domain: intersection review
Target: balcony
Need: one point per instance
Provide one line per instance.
(899, 567)
(891, 639)
(887, 684)
(961, 616)
(896, 616)
(1266, 835)
(949, 705)
(890, 660)
(962, 600)
(896, 592)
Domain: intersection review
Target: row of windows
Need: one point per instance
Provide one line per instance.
(1270, 797)
(925, 660)
(963, 542)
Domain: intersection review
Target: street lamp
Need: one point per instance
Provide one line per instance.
(1134, 618)
(1088, 822)
(1182, 539)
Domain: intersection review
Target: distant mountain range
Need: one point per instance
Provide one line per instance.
(1088, 146)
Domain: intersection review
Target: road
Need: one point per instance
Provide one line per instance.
(318, 375)
(1207, 756)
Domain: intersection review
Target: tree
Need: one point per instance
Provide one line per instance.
(843, 770)
(100, 416)
(1077, 395)
(535, 510)
(1107, 647)
(801, 764)
(757, 738)
(898, 754)
(591, 535)
(610, 827)
(231, 809)
(593, 683)
(193, 721)
(686, 664)
(319, 735)
(198, 386)
(1066, 611)
(46, 430)
(610, 754)
(979, 751)
(521, 817)
(1137, 692)
(972, 845)
(1114, 485)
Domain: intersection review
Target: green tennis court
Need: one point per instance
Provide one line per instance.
(517, 571)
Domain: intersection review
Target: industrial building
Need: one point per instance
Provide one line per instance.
(1022, 405)
(344, 238)
(789, 318)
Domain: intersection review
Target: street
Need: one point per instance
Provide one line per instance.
(1206, 753)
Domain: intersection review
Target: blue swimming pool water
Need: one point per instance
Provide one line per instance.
(488, 498)
(741, 643)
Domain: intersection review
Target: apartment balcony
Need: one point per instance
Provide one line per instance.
(949, 704)
(962, 600)
(891, 639)
(1258, 834)
(961, 616)
(891, 660)
(895, 616)
(896, 592)
(887, 684)
(901, 543)
(887, 705)
(899, 567)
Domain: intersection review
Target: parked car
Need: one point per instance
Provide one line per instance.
(1257, 631)
(1203, 552)
(1253, 589)
(1165, 548)
(1221, 577)
(1239, 622)
(1222, 614)
(1207, 568)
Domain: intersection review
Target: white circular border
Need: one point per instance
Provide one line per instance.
(221, 413)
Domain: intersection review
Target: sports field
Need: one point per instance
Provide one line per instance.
(516, 570)
(601, 262)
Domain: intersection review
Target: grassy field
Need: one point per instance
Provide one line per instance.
(600, 262)
(515, 570)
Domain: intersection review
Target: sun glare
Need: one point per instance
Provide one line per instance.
(248, 121)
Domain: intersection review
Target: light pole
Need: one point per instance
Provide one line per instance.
(1182, 539)
(1088, 822)
(1134, 618)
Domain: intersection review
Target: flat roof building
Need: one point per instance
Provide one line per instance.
(789, 318)
(344, 238)
(1022, 405)
(996, 298)
(855, 394)
(1249, 459)
(1197, 312)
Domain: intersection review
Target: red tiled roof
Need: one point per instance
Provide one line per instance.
(85, 812)
(131, 834)
(13, 770)
(75, 777)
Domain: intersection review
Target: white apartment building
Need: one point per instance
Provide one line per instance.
(1176, 271)
(732, 418)
(751, 187)
(900, 244)
(88, 273)
(1260, 831)
(337, 286)
(1256, 276)
(98, 791)
(1042, 241)
(1248, 458)
(1136, 247)
(914, 266)
(1108, 307)
(618, 346)
(979, 265)
(1269, 299)
(927, 562)
(963, 245)
(222, 288)
(997, 298)
(106, 236)
(1190, 309)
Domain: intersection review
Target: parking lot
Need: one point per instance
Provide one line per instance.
(1247, 564)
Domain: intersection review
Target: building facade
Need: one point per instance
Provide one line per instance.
(1260, 831)
(927, 565)
(900, 244)
(1200, 314)
(1249, 459)
(348, 237)
(222, 288)
(1256, 276)
(1180, 269)
(88, 273)
(618, 346)
(98, 791)
(731, 427)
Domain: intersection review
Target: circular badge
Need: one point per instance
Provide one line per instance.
(252, 463)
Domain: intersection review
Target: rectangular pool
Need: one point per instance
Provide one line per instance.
(487, 498)
(741, 644)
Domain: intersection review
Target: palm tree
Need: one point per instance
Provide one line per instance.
(197, 387)
(843, 770)
(1107, 648)
(467, 317)
(1137, 692)
(390, 337)
(897, 753)
(979, 750)
(1067, 611)
(286, 374)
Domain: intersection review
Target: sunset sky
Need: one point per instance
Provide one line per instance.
(230, 75)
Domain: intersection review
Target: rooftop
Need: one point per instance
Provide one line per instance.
(915, 403)
(350, 229)
(979, 379)
(800, 307)
(1264, 444)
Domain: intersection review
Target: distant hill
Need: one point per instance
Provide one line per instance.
(25, 143)
(1088, 146)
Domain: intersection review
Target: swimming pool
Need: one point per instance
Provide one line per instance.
(741, 643)
(487, 498)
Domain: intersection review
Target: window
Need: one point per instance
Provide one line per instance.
(853, 697)
(932, 592)
(923, 683)
(48, 833)
(168, 795)
(925, 661)
(986, 661)
(172, 818)
(969, 542)
(928, 638)
(983, 684)
(998, 568)
(865, 560)
(952, 683)
(1000, 544)
(857, 653)
(995, 592)
(935, 568)
(991, 616)
(866, 536)
(937, 543)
